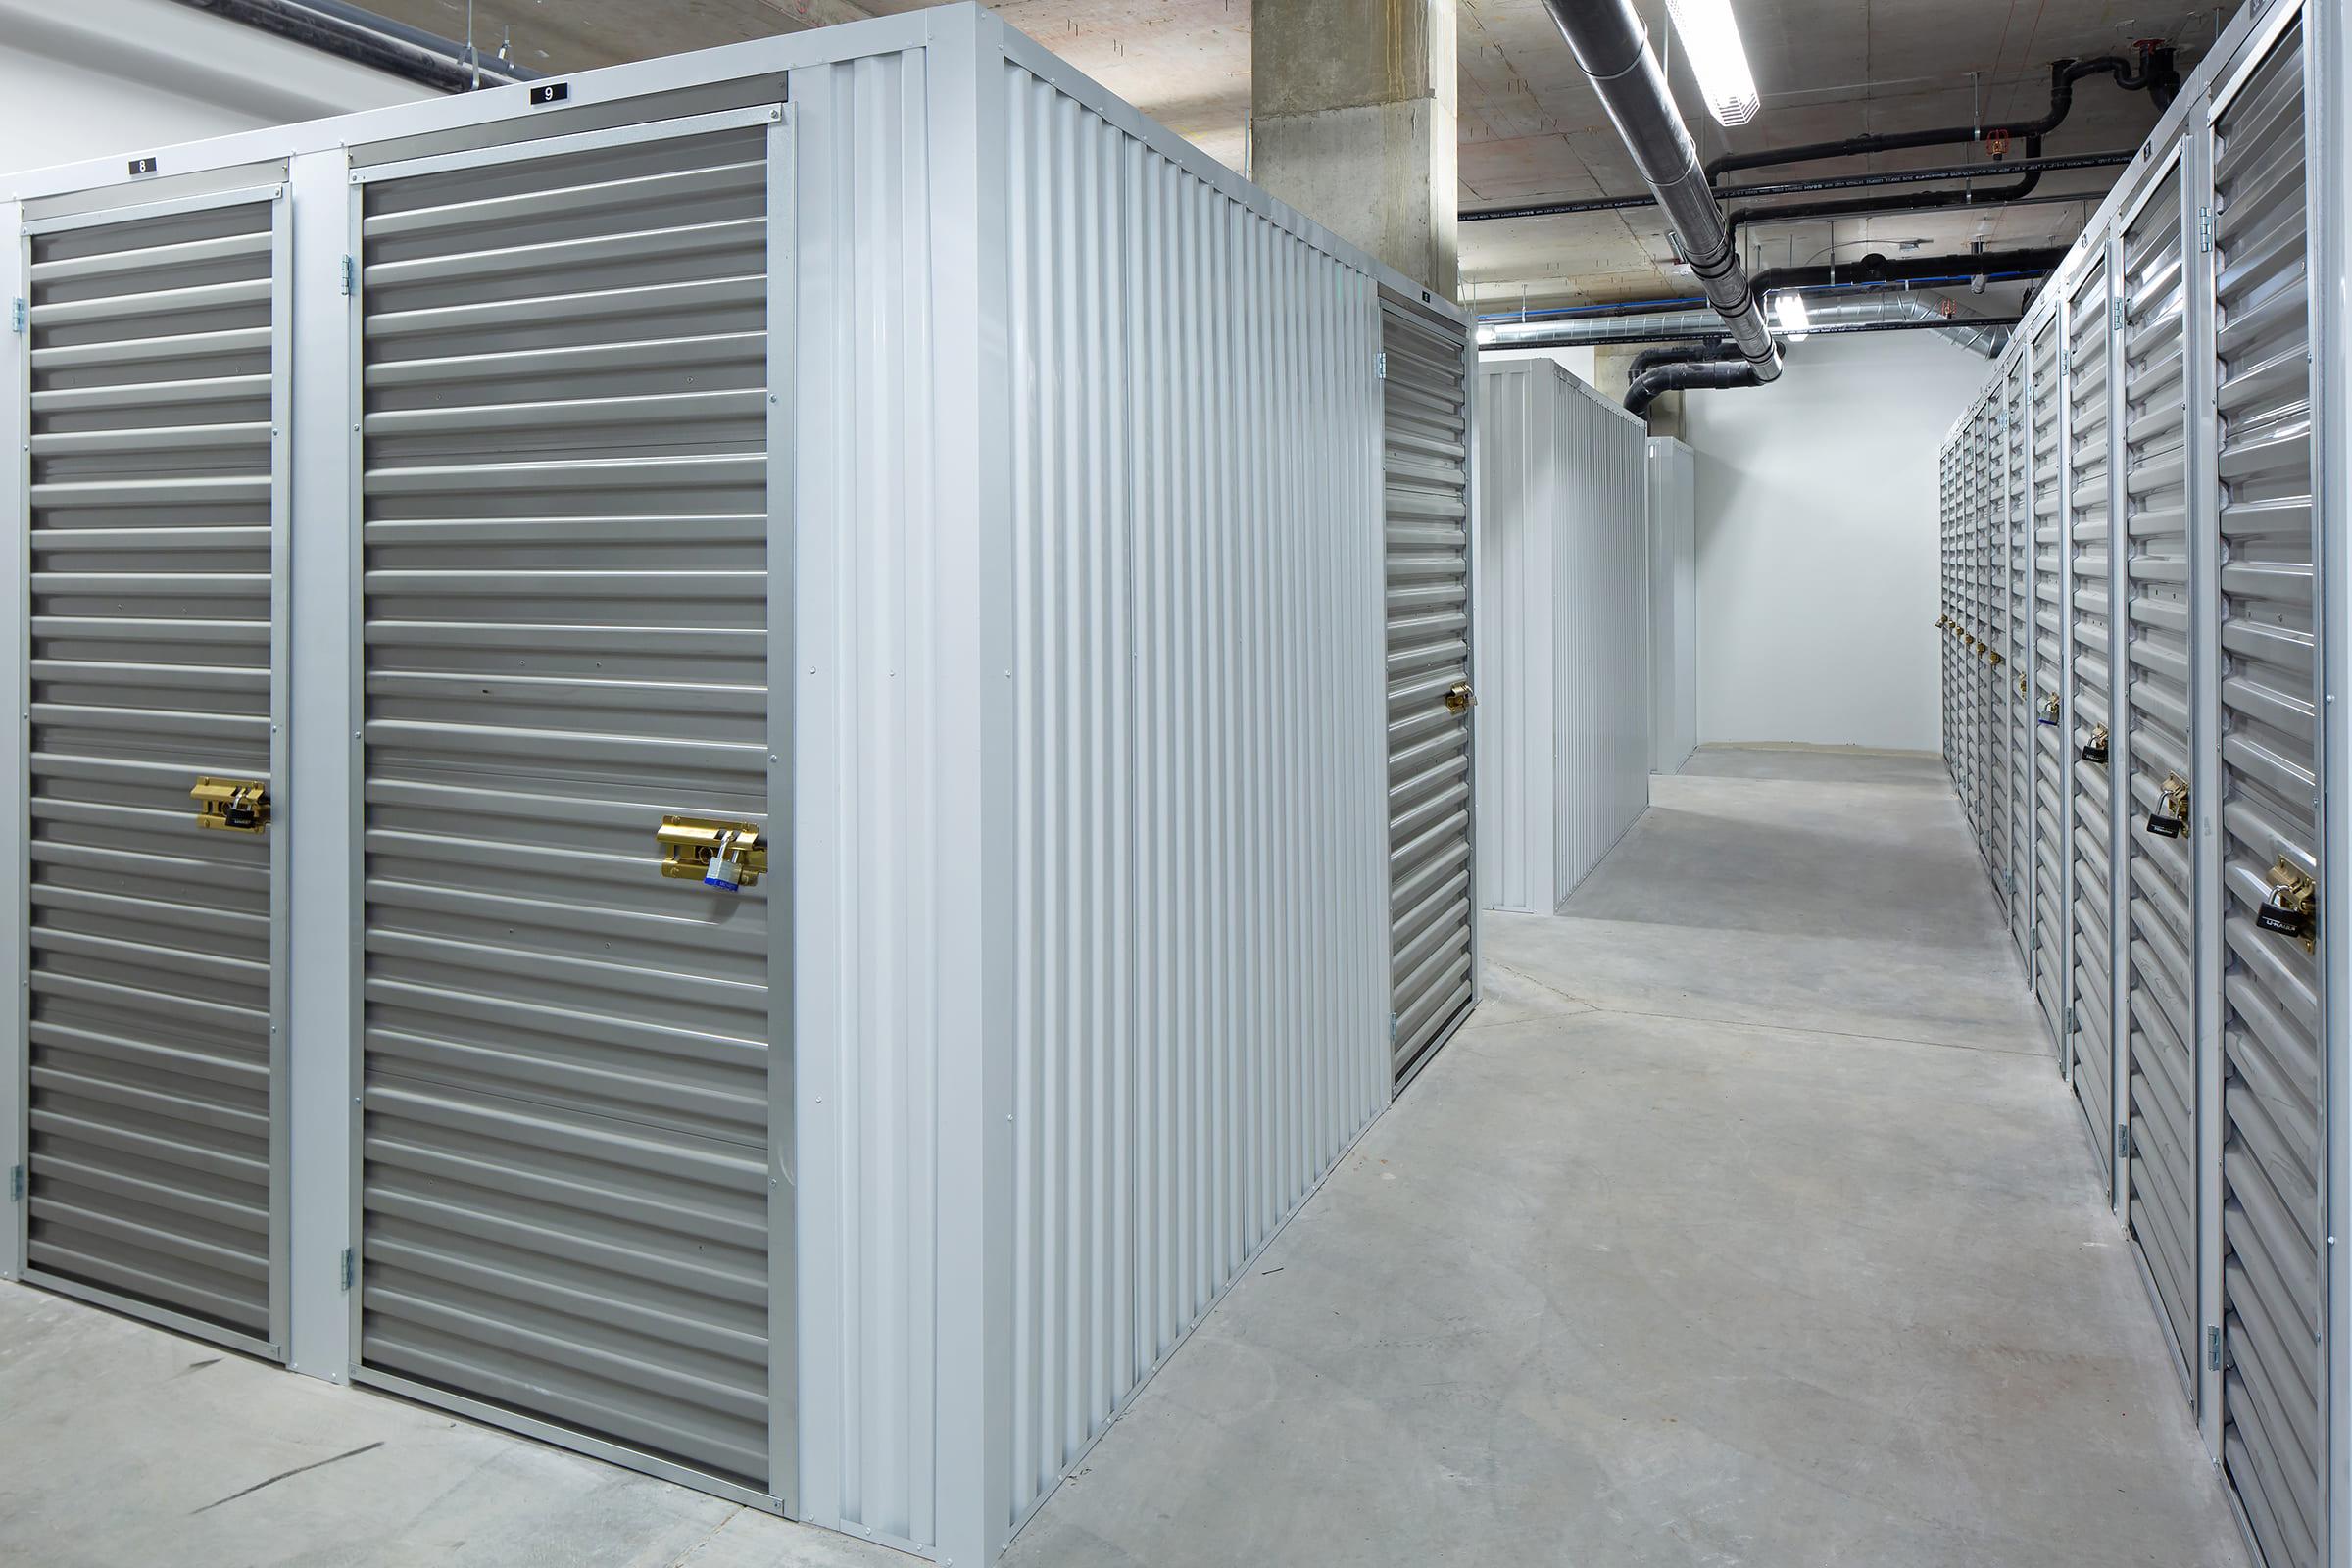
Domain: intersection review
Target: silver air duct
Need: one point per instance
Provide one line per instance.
(1937, 312)
(1610, 44)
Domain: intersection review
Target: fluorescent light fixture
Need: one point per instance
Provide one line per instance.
(1711, 39)
(1788, 309)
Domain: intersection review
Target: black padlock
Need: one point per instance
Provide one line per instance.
(2094, 750)
(2276, 916)
(241, 814)
(2170, 827)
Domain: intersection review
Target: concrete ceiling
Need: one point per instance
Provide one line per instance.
(1531, 128)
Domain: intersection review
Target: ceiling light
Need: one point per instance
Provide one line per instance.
(1788, 309)
(1711, 39)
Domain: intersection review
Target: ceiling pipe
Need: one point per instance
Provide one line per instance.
(1914, 310)
(366, 39)
(1804, 187)
(1610, 44)
(1652, 383)
(2158, 77)
(1876, 268)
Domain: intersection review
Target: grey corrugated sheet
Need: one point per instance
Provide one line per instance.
(150, 1005)
(2159, 1012)
(2272, 1291)
(1425, 466)
(564, 1188)
(2088, 662)
(2051, 641)
(2017, 648)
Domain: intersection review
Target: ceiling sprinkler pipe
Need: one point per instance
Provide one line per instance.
(1610, 44)
(365, 39)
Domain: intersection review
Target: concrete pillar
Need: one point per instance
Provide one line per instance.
(1613, 372)
(1353, 122)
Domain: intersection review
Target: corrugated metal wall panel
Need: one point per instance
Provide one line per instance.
(2272, 1286)
(867, 796)
(2017, 651)
(2159, 1012)
(1673, 604)
(153, 514)
(2091, 1055)
(564, 1188)
(1203, 988)
(1992, 588)
(1564, 589)
(2054, 811)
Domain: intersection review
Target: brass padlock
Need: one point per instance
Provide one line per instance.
(231, 804)
(1459, 697)
(2293, 907)
(716, 853)
(1994, 656)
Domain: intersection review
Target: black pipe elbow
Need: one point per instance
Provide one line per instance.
(1647, 387)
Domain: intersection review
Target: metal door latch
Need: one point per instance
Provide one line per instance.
(2021, 685)
(1459, 697)
(1992, 655)
(716, 854)
(2292, 909)
(2051, 708)
(2094, 750)
(231, 804)
(2171, 820)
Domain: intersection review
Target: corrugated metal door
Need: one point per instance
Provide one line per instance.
(1432, 961)
(157, 549)
(1944, 645)
(2161, 1090)
(1993, 585)
(2272, 1298)
(2017, 647)
(2093, 1048)
(567, 540)
(2051, 759)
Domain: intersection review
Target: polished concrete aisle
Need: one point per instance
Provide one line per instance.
(1747, 1222)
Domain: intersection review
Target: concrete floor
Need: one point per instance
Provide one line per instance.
(1746, 1223)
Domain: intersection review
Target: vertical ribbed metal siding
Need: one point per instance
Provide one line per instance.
(1673, 604)
(2159, 1012)
(1992, 579)
(1202, 994)
(1601, 729)
(2272, 1288)
(1432, 891)
(564, 1179)
(2017, 650)
(2092, 1050)
(151, 543)
(867, 795)
(2052, 811)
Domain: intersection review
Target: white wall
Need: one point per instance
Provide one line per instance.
(96, 77)
(1817, 543)
(1577, 362)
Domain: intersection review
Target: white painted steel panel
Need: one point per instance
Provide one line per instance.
(2091, 1052)
(2160, 1010)
(2271, 996)
(565, 557)
(1564, 589)
(2053, 811)
(155, 536)
(1673, 604)
(2013, 678)
(1201, 993)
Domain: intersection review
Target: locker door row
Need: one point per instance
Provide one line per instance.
(2164, 553)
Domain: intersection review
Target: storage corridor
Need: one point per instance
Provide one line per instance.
(1748, 1221)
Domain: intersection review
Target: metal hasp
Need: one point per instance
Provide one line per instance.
(2094, 750)
(231, 804)
(2171, 821)
(1459, 697)
(2051, 706)
(1612, 46)
(2292, 909)
(712, 852)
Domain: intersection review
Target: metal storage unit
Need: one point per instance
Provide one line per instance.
(151, 632)
(2199, 405)
(1673, 604)
(1563, 610)
(2012, 679)
(2053, 794)
(873, 468)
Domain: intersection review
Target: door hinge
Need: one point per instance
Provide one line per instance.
(2066, 359)
(1380, 365)
(2204, 229)
(2123, 1138)
(2213, 1346)
(1391, 1028)
(20, 315)
(351, 276)
(346, 1268)
(16, 1184)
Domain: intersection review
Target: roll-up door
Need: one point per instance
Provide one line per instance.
(157, 550)
(2052, 761)
(1432, 958)
(1944, 597)
(1992, 591)
(568, 528)
(2017, 647)
(2271, 1300)
(2092, 1048)
(2161, 1089)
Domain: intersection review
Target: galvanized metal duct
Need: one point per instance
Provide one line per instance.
(1930, 311)
(1611, 45)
